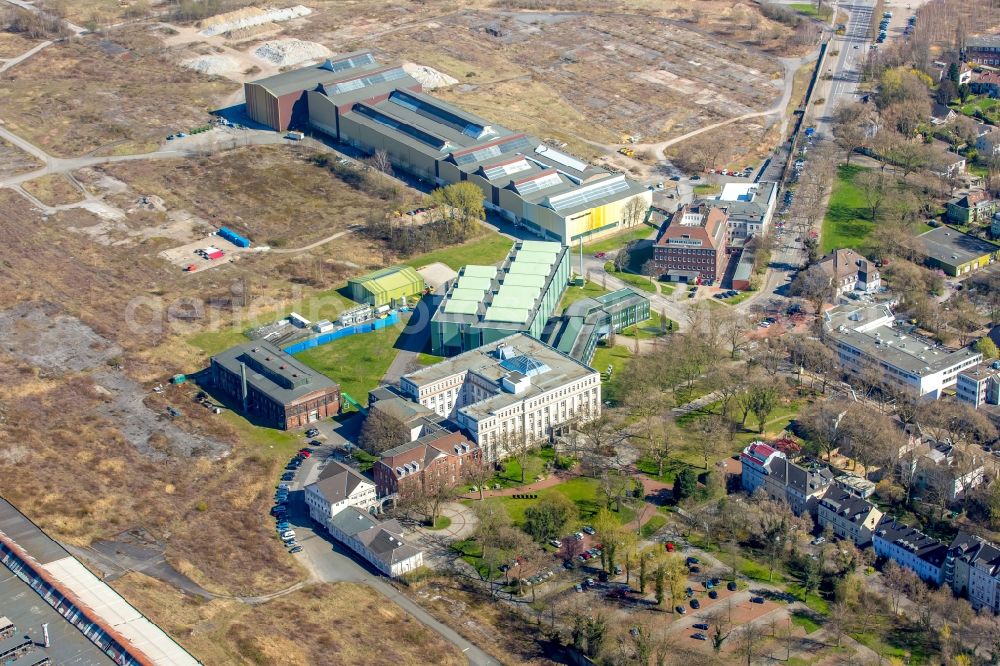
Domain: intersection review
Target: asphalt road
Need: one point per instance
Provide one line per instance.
(329, 562)
(846, 67)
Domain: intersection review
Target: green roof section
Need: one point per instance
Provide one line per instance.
(512, 315)
(523, 280)
(528, 268)
(461, 307)
(540, 246)
(474, 282)
(468, 295)
(535, 258)
(478, 270)
(383, 287)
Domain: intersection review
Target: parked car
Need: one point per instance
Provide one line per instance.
(818, 540)
(694, 568)
(288, 535)
(312, 432)
(695, 604)
(689, 592)
(578, 536)
(692, 560)
(756, 600)
(588, 529)
(589, 582)
(700, 625)
(698, 636)
(669, 546)
(731, 586)
(578, 587)
(296, 549)
(681, 610)
(555, 543)
(586, 556)
(712, 594)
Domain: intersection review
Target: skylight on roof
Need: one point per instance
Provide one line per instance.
(501, 170)
(560, 157)
(588, 193)
(526, 365)
(348, 63)
(535, 184)
(495, 150)
(366, 81)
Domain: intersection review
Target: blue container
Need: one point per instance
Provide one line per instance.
(233, 237)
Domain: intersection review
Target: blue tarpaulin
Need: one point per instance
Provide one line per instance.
(366, 327)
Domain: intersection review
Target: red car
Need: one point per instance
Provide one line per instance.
(305, 453)
(599, 255)
(670, 546)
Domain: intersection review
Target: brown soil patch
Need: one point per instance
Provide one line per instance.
(53, 190)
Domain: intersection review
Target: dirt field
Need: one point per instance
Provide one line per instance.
(53, 190)
(590, 76)
(322, 624)
(14, 161)
(12, 45)
(272, 195)
(117, 92)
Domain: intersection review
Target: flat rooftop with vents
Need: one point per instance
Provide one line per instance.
(954, 252)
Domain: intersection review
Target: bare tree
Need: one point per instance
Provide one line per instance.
(634, 211)
(380, 162)
(873, 188)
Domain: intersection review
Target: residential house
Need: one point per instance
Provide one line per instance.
(691, 246)
(856, 485)
(412, 419)
(850, 271)
(947, 164)
(941, 114)
(767, 469)
(433, 461)
(985, 83)
(975, 207)
(911, 548)
(849, 516)
(381, 543)
(988, 145)
(972, 569)
(979, 386)
(949, 471)
(338, 488)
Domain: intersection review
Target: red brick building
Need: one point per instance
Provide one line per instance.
(280, 391)
(691, 246)
(434, 460)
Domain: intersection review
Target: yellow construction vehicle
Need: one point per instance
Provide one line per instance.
(627, 152)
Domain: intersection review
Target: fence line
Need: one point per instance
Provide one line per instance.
(366, 327)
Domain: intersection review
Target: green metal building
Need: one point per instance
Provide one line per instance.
(487, 303)
(388, 286)
(586, 321)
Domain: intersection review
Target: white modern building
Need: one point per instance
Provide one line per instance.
(516, 389)
(867, 336)
(912, 549)
(979, 386)
(338, 488)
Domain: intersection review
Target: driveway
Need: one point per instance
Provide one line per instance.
(329, 562)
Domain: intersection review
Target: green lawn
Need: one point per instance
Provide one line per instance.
(815, 602)
(440, 523)
(487, 249)
(984, 104)
(574, 294)
(653, 525)
(848, 221)
(356, 362)
(707, 188)
(534, 467)
(809, 9)
(805, 620)
(638, 281)
(618, 357)
(584, 492)
(666, 288)
(648, 330)
(365, 459)
(738, 298)
(428, 359)
(321, 305)
(619, 240)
